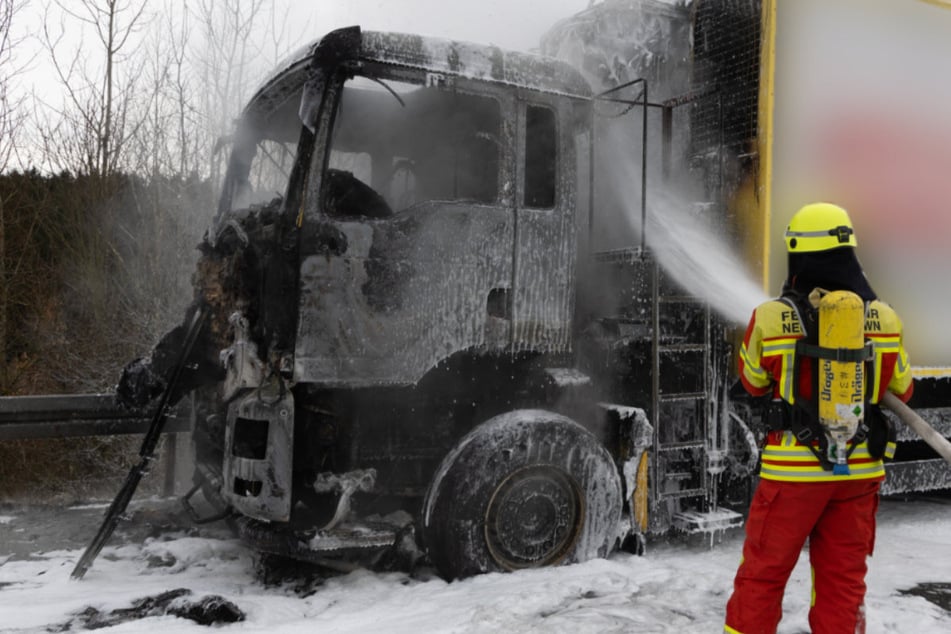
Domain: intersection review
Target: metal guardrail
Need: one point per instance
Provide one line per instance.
(74, 415)
(78, 415)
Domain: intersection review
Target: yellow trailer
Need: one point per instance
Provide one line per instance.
(852, 108)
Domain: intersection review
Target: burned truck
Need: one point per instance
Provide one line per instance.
(405, 334)
(418, 326)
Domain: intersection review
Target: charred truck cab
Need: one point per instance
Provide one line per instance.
(391, 283)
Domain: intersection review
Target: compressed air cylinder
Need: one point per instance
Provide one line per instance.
(841, 383)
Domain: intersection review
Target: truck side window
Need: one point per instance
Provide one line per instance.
(541, 150)
(266, 169)
(414, 143)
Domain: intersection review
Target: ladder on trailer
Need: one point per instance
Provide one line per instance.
(684, 410)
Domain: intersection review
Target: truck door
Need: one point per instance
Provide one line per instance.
(410, 259)
(545, 232)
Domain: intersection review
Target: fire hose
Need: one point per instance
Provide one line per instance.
(928, 433)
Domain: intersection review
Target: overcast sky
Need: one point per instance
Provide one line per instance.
(516, 24)
(513, 24)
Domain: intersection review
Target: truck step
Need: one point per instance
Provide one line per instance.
(331, 548)
(681, 396)
(354, 536)
(683, 493)
(680, 348)
(676, 446)
(707, 522)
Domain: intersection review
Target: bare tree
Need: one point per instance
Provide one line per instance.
(181, 92)
(96, 122)
(11, 118)
(152, 153)
(224, 63)
(281, 40)
(11, 106)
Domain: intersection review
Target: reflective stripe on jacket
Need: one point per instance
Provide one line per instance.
(784, 458)
(767, 364)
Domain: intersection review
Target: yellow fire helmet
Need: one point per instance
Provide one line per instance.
(819, 227)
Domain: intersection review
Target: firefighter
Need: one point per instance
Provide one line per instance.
(812, 486)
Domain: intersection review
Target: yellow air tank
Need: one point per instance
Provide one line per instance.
(841, 371)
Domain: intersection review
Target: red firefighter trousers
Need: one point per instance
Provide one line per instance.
(839, 520)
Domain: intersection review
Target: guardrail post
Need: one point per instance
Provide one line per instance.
(171, 469)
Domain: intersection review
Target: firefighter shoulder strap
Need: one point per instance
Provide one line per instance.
(834, 327)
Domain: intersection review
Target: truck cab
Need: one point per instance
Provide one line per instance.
(391, 281)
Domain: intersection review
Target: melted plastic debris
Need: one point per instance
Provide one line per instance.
(209, 610)
(568, 376)
(938, 593)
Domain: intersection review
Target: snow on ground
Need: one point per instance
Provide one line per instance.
(675, 588)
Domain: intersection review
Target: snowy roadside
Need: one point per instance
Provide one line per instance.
(673, 588)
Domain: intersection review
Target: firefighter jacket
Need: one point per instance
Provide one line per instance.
(767, 364)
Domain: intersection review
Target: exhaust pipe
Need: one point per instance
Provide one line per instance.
(908, 416)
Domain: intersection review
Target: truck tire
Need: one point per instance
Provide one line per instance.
(526, 489)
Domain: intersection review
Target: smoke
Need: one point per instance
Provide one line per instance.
(689, 238)
(696, 254)
(686, 231)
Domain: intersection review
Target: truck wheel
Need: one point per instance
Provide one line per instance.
(526, 489)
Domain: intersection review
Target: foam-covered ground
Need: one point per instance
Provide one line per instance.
(158, 575)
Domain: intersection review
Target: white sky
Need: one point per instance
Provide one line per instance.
(515, 24)
(512, 24)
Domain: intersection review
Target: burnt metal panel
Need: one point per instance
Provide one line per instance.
(916, 475)
(463, 59)
(407, 292)
(614, 43)
(546, 250)
(937, 417)
(476, 61)
(726, 60)
(259, 441)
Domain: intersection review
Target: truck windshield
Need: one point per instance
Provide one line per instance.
(260, 164)
(413, 143)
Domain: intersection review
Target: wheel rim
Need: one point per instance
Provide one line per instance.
(534, 518)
